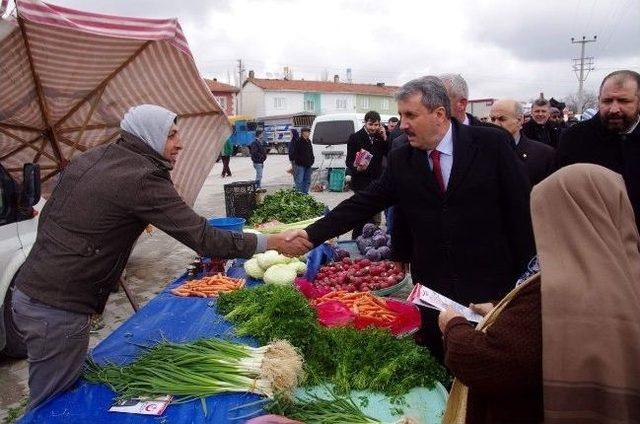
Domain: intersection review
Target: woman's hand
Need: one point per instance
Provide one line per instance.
(481, 308)
(444, 318)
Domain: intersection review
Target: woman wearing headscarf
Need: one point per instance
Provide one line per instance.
(564, 346)
(87, 229)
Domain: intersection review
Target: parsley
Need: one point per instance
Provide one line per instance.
(286, 206)
(371, 359)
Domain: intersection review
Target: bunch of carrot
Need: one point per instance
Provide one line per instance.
(209, 286)
(363, 304)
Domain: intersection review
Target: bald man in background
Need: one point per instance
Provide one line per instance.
(538, 158)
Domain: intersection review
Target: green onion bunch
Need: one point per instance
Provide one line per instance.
(203, 368)
(314, 409)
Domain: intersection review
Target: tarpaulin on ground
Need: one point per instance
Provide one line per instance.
(178, 319)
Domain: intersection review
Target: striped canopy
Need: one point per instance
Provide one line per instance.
(67, 78)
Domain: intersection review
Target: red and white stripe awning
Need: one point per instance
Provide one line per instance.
(69, 76)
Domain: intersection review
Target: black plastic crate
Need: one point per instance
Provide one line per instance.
(240, 198)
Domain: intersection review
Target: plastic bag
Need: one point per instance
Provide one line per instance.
(316, 258)
(332, 313)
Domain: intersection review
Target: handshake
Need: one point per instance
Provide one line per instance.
(290, 243)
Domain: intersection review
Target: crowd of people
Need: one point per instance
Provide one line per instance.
(561, 347)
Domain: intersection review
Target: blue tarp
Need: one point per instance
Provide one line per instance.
(174, 318)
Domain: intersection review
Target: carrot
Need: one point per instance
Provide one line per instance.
(209, 286)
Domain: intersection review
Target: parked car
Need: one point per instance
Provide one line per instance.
(18, 228)
(329, 136)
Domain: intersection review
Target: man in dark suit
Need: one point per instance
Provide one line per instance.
(372, 137)
(464, 197)
(458, 92)
(538, 158)
(612, 137)
(540, 127)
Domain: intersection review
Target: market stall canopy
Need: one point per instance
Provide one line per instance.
(69, 76)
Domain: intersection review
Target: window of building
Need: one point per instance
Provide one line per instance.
(385, 104)
(222, 101)
(364, 102)
(309, 105)
(341, 103)
(279, 103)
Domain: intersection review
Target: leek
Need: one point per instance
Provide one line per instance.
(203, 368)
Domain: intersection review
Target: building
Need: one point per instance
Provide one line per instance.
(267, 97)
(480, 108)
(225, 94)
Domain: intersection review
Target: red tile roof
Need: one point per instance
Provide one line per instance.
(216, 86)
(322, 86)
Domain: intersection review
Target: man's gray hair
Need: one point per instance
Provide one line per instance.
(432, 91)
(518, 110)
(540, 101)
(457, 85)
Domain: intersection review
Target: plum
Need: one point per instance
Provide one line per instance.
(379, 240)
(373, 255)
(368, 230)
(385, 252)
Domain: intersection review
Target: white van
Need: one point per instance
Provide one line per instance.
(18, 228)
(329, 136)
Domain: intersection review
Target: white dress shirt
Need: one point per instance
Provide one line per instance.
(445, 147)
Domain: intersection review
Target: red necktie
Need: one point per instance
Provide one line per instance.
(437, 170)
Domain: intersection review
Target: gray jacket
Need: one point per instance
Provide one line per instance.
(104, 200)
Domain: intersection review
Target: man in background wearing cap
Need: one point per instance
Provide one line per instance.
(102, 203)
(303, 160)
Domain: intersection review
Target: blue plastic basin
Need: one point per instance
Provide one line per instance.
(228, 223)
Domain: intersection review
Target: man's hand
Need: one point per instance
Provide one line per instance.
(481, 308)
(361, 168)
(444, 318)
(290, 243)
(382, 133)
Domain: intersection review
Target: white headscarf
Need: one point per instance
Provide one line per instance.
(150, 123)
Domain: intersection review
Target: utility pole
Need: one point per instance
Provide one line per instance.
(240, 81)
(581, 65)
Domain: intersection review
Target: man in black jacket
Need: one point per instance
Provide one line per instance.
(539, 159)
(258, 153)
(540, 128)
(303, 160)
(373, 139)
(612, 137)
(458, 92)
(464, 197)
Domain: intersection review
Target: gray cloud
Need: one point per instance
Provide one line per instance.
(537, 32)
(503, 48)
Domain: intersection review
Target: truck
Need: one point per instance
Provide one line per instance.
(277, 129)
(244, 132)
(20, 204)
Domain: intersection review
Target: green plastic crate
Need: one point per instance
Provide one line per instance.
(336, 179)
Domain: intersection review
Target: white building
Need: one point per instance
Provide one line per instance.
(267, 97)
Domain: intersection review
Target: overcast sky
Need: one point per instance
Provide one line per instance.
(504, 48)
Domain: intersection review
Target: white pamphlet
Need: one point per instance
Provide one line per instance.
(144, 406)
(424, 296)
